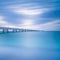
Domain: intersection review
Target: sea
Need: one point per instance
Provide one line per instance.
(42, 45)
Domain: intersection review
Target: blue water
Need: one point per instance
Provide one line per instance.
(30, 46)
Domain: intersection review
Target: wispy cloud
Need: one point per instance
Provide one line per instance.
(27, 9)
(4, 23)
(44, 14)
(2, 20)
(50, 26)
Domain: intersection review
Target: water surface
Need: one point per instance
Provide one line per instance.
(30, 46)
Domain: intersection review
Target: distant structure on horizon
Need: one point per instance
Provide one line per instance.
(7, 29)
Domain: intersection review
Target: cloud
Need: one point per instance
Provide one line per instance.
(2, 20)
(30, 12)
(27, 9)
(50, 26)
(4, 23)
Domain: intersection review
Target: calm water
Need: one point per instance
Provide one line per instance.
(30, 46)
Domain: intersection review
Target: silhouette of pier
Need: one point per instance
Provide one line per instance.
(8, 29)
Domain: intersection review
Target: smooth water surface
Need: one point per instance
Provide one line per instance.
(30, 46)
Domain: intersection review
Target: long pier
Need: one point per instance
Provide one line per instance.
(6, 29)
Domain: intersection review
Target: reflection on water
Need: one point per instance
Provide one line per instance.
(30, 45)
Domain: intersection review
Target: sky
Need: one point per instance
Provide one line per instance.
(30, 14)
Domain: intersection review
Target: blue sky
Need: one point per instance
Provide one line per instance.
(33, 14)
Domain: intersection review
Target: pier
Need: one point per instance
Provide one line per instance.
(7, 29)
